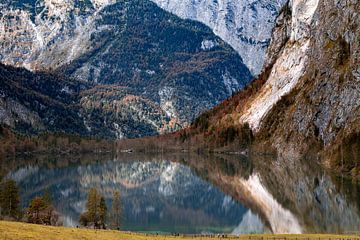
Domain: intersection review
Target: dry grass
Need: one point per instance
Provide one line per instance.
(22, 231)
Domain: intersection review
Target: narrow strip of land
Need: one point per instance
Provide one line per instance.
(22, 231)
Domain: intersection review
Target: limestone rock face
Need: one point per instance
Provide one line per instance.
(46, 34)
(245, 25)
(306, 101)
(312, 93)
(315, 57)
(289, 66)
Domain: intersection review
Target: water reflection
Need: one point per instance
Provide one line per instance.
(159, 196)
(290, 195)
(195, 194)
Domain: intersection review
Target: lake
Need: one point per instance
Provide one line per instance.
(197, 194)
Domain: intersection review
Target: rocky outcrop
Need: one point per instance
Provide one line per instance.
(245, 25)
(289, 66)
(315, 68)
(319, 101)
(46, 34)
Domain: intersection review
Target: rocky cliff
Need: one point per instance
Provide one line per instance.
(313, 91)
(245, 25)
(306, 101)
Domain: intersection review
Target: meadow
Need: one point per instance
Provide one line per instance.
(24, 231)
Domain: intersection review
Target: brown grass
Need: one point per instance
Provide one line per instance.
(22, 231)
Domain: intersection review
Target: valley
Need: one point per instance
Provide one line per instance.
(167, 118)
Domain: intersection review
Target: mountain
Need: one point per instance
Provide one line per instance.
(311, 97)
(245, 25)
(306, 101)
(147, 71)
(39, 102)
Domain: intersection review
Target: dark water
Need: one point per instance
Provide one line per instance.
(198, 194)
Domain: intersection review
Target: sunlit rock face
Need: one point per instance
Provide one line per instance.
(245, 25)
(312, 91)
(290, 66)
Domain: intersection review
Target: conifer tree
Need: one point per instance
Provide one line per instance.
(102, 212)
(92, 206)
(41, 211)
(9, 199)
(116, 210)
(96, 210)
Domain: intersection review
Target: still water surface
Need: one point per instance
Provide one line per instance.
(198, 194)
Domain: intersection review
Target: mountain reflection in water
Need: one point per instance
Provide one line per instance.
(189, 193)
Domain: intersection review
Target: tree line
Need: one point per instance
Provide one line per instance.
(41, 210)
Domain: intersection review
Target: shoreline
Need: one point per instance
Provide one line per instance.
(20, 231)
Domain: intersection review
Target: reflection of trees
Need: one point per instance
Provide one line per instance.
(318, 201)
(193, 203)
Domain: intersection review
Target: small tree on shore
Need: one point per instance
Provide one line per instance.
(116, 210)
(9, 199)
(102, 213)
(41, 211)
(96, 210)
(36, 210)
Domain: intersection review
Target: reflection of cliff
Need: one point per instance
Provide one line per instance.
(159, 196)
(159, 193)
(290, 196)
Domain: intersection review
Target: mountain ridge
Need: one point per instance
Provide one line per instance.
(245, 25)
(306, 101)
(164, 63)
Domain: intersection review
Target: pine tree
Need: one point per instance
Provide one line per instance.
(9, 199)
(116, 210)
(92, 206)
(96, 210)
(102, 212)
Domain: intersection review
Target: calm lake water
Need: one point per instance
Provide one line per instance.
(182, 193)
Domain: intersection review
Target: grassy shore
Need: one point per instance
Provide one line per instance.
(22, 231)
